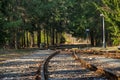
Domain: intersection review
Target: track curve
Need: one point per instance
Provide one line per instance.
(63, 66)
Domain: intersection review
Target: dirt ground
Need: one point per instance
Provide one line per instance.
(6, 54)
(23, 66)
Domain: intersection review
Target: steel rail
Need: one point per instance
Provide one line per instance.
(44, 66)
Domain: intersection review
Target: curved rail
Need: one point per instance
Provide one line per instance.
(44, 66)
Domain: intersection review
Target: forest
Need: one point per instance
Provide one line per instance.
(27, 23)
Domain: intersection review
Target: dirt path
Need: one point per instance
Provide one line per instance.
(23, 68)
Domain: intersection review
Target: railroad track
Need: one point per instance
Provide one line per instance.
(62, 66)
(108, 66)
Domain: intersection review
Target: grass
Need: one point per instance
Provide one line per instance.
(12, 53)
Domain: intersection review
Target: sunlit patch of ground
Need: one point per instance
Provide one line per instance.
(109, 52)
(107, 48)
(25, 66)
(12, 53)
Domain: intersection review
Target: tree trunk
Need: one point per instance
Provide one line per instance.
(50, 36)
(27, 41)
(53, 35)
(24, 45)
(38, 38)
(22, 42)
(32, 40)
(47, 38)
(44, 36)
(92, 38)
(15, 41)
(56, 38)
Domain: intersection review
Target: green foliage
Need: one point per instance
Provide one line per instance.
(111, 11)
(18, 17)
(2, 28)
(14, 24)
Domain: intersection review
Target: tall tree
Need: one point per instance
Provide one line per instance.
(111, 11)
(2, 28)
